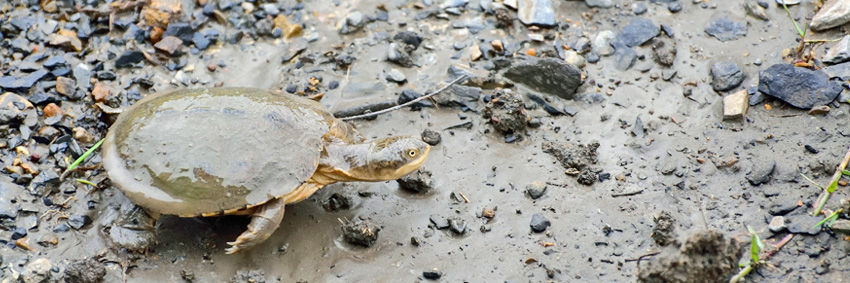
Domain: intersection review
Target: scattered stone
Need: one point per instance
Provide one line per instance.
(841, 226)
(536, 13)
(725, 76)
(640, 8)
(432, 274)
(127, 59)
(800, 87)
(160, 12)
(86, 270)
(725, 29)
(37, 271)
(100, 92)
(78, 221)
(65, 86)
(539, 223)
(602, 43)
(418, 181)
(396, 76)
(352, 23)
(819, 110)
(626, 57)
(706, 256)
(439, 222)
(834, 13)
(66, 39)
(760, 173)
(13, 107)
(574, 59)
(22, 83)
(664, 52)
(735, 105)
(599, 3)
(777, 224)
(674, 7)
(398, 55)
(536, 189)
(181, 30)
(51, 110)
(573, 156)
(839, 53)
(804, 224)
(754, 9)
(664, 231)
(788, 2)
(169, 45)
(360, 232)
(638, 32)
(288, 30)
(431, 137)
(457, 225)
(506, 113)
(547, 75)
(475, 52)
(668, 74)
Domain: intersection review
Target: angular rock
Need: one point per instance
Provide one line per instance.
(760, 173)
(800, 87)
(834, 13)
(725, 29)
(535, 189)
(638, 32)
(839, 53)
(547, 75)
(536, 12)
(169, 44)
(841, 226)
(396, 76)
(183, 31)
(82, 73)
(725, 76)
(599, 3)
(626, 57)
(804, 224)
(288, 29)
(539, 223)
(352, 23)
(602, 43)
(754, 9)
(735, 105)
(127, 59)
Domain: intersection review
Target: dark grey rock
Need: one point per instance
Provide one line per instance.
(431, 137)
(725, 29)
(78, 221)
(432, 275)
(55, 61)
(668, 30)
(22, 83)
(804, 224)
(409, 38)
(408, 95)
(638, 32)
(782, 206)
(536, 13)
(127, 59)
(841, 71)
(725, 76)
(625, 56)
(397, 54)
(465, 97)
(539, 223)
(760, 173)
(453, 3)
(599, 3)
(547, 75)
(361, 232)
(201, 42)
(800, 87)
(21, 45)
(592, 58)
(668, 74)
(664, 52)
(183, 31)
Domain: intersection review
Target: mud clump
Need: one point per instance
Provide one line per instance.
(360, 232)
(573, 156)
(506, 113)
(337, 202)
(664, 231)
(706, 256)
(86, 270)
(250, 276)
(431, 137)
(418, 181)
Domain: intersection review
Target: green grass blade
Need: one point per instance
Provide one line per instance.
(800, 31)
(82, 157)
(87, 182)
(832, 187)
(845, 172)
(755, 246)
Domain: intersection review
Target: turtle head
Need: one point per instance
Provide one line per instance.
(390, 158)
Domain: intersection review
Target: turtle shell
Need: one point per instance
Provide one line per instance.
(203, 151)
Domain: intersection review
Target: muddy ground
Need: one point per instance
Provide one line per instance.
(691, 165)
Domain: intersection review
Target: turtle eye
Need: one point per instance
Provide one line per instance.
(412, 153)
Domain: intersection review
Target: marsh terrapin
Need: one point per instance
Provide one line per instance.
(218, 151)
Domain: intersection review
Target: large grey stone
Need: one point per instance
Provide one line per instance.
(839, 53)
(833, 14)
(548, 75)
(638, 31)
(536, 12)
(800, 87)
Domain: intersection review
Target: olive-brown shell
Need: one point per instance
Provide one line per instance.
(192, 152)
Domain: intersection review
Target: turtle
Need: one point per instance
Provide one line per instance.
(210, 152)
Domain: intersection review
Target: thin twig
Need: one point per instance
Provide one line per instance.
(466, 200)
(837, 175)
(461, 78)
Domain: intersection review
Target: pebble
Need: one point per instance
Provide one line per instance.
(602, 44)
(800, 87)
(599, 3)
(761, 171)
(536, 13)
(51, 110)
(638, 32)
(360, 232)
(735, 105)
(432, 274)
(536, 189)
(37, 271)
(833, 14)
(127, 59)
(13, 107)
(396, 76)
(640, 9)
(539, 223)
(754, 9)
(169, 45)
(838, 53)
(352, 23)
(575, 59)
(725, 29)
(777, 224)
(674, 7)
(457, 226)
(100, 92)
(546, 75)
(431, 137)
(78, 221)
(439, 222)
(418, 181)
(725, 76)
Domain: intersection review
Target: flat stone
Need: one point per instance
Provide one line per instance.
(725, 76)
(804, 224)
(833, 14)
(839, 53)
(548, 75)
(24, 82)
(65, 86)
(169, 44)
(536, 12)
(82, 73)
(841, 226)
(777, 224)
(841, 71)
(638, 32)
(800, 87)
(13, 106)
(735, 105)
(539, 223)
(55, 61)
(760, 173)
(599, 3)
(725, 29)
(626, 57)
(674, 7)
(602, 43)
(181, 30)
(128, 59)
(396, 76)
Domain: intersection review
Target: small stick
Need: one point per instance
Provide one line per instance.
(627, 194)
(466, 200)
(459, 79)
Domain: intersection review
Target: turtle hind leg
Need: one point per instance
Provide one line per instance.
(264, 221)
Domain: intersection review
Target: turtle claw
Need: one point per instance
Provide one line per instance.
(264, 222)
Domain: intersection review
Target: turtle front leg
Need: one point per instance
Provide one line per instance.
(264, 222)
